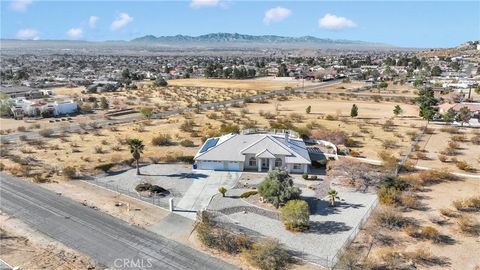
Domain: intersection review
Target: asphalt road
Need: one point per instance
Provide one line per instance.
(106, 122)
(109, 241)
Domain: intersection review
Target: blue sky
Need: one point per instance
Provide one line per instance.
(406, 23)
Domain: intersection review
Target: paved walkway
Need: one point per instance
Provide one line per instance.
(201, 191)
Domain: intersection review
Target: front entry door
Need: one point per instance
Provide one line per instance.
(264, 163)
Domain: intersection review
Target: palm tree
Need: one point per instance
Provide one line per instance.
(136, 148)
(332, 195)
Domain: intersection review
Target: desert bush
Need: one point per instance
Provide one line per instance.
(46, 132)
(388, 195)
(69, 172)
(185, 159)
(295, 215)
(463, 165)
(459, 138)
(350, 142)
(431, 233)
(247, 194)
(187, 126)
(38, 178)
(330, 117)
(336, 137)
(162, 140)
(98, 150)
(453, 145)
(421, 155)
(469, 204)
(475, 139)
(155, 160)
(268, 255)
(105, 167)
(218, 238)
(468, 225)
(2, 167)
(187, 143)
(21, 129)
(442, 158)
(448, 212)
(389, 144)
(428, 177)
(390, 218)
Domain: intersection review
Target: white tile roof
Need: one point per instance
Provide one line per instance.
(233, 147)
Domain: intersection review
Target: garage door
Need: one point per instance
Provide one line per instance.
(233, 166)
(211, 165)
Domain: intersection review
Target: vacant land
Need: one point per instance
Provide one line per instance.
(23, 247)
(268, 83)
(451, 248)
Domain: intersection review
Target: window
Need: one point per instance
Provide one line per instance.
(252, 162)
(278, 162)
(297, 166)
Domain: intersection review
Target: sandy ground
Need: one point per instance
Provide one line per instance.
(461, 254)
(435, 143)
(23, 247)
(10, 125)
(268, 83)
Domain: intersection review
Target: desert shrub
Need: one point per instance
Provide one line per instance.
(277, 188)
(187, 126)
(388, 195)
(330, 117)
(442, 158)
(155, 160)
(116, 148)
(448, 212)
(354, 153)
(409, 201)
(46, 132)
(69, 172)
(38, 178)
(475, 139)
(247, 194)
(389, 144)
(390, 218)
(295, 215)
(463, 165)
(21, 129)
(104, 167)
(229, 128)
(459, 138)
(428, 177)
(453, 145)
(187, 143)
(305, 176)
(421, 155)
(222, 190)
(268, 255)
(2, 167)
(431, 233)
(469, 204)
(149, 187)
(98, 150)
(218, 238)
(185, 159)
(350, 142)
(468, 225)
(162, 140)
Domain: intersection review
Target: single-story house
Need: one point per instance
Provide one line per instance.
(474, 108)
(22, 107)
(254, 151)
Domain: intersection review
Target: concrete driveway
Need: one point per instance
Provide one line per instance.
(201, 191)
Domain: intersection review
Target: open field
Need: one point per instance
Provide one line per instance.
(456, 250)
(268, 83)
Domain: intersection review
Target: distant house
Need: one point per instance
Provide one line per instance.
(474, 108)
(22, 107)
(254, 151)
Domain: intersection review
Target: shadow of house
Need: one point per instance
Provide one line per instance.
(328, 227)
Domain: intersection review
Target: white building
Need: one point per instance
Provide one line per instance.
(254, 151)
(23, 107)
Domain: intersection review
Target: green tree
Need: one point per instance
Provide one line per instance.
(436, 71)
(332, 196)
(427, 103)
(222, 190)
(383, 85)
(464, 115)
(146, 111)
(308, 109)
(160, 82)
(295, 215)
(282, 70)
(354, 111)
(104, 103)
(5, 105)
(449, 116)
(136, 147)
(126, 74)
(397, 110)
(277, 188)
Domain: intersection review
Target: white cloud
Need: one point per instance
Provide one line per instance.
(335, 23)
(28, 34)
(277, 14)
(20, 5)
(121, 20)
(92, 21)
(204, 3)
(75, 33)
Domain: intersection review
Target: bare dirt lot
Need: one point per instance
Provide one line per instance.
(268, 83)
(23, 247)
